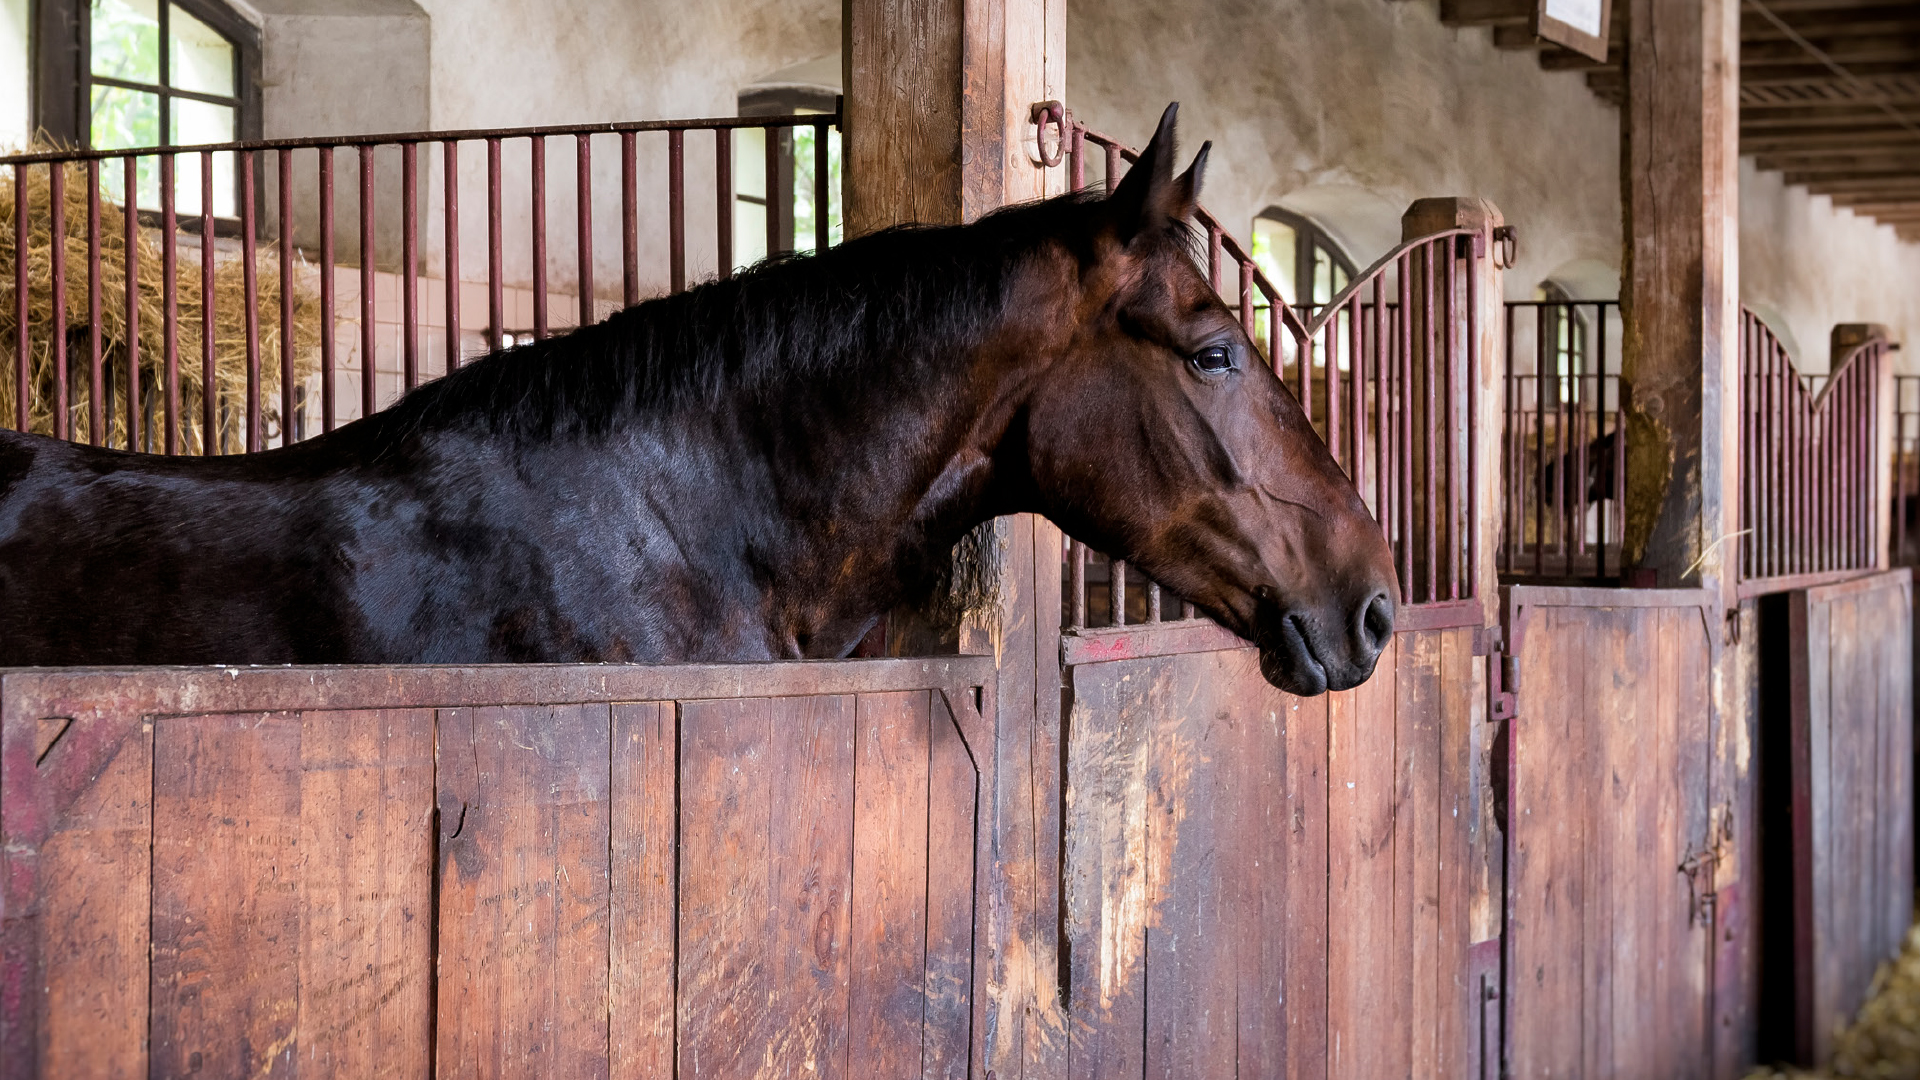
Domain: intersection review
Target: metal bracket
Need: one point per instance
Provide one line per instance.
(1041, 114)
(1509, 246)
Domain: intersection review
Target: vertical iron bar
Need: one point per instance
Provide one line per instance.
(1382, 501)
(1077, 576)
(583, 210)
(677, 209)
(629, 221)
(96, 382)
(1403, 380)
(1472, 522)
(410, 266)
(250, 277)
(1431, 465)
(285, 195)
(170, 285)
(22, 387)
(130, 221)
(369, 335)
(496, 284)
(210, 427)
(1117, 590)
(822, 188)
(1540, 439)
(57, 224)
(1451, 433)
(450, 185)
(327, 395)
(723, 198)
(537, 163)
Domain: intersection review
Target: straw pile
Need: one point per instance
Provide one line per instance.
(1884, 1041)
(230, 341)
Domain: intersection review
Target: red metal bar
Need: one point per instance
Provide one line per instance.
(1077, 160)
(822, 188)
(210, 427)
(1403, 351)
(1450, 284)
(1117, 590)
(1077, 582)
(369, 328)
(1540, 352)
(1511, 433)
(287, 418)
(57, 223)
(496, 283)
(1333, 374)
(1471, 587)
(22, 386)
(130, 221)
(1579, 414)
(537, 163)
(450, 184)
(770, 142)
(169, 283)
(723, 199)
(583, 225)
(1113, 166)
(677, 210)
(1430, 332)
(410, 266)
(250, 275)
(1382, 501)
(629, 221)
(328, 404)
(96, 382)
(1213, 257)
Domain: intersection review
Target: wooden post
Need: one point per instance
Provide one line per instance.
(1681, 295)
(936, 129)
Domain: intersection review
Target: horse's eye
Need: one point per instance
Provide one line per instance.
(1213, 359)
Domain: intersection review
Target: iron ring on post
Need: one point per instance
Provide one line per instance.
(1508, 242)
(1041, 114)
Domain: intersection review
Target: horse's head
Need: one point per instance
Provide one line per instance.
(1160, 436)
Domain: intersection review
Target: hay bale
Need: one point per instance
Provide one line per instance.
(229, 337)
(1884, 1041)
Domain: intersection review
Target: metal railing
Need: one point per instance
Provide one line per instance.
(1808, 459)
(99, 237)
(1386, 372)
(1563, 448)
(1904, 531)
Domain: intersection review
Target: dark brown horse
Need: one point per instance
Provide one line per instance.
(751, 469)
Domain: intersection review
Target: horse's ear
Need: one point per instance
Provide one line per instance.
(1149, 198)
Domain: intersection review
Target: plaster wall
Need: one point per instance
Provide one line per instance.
(1805, 266)
(1348, 111)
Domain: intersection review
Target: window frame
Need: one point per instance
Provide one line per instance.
(60, 52)
(782, 101)
(1309, 236)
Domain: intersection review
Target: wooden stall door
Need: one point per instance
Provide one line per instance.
(1608, 927)
(1852, 773)
(749, 871)
(1256, 884)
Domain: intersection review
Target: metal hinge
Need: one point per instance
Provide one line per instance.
(1503, 672)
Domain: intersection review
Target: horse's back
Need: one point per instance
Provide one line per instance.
(108, 557)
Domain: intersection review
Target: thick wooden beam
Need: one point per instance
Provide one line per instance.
(937, 130)
(1681, 290)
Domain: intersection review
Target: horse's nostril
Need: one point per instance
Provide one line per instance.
(1376, 622)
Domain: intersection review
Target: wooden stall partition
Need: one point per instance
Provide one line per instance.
(1851, 755)
(726, 871)
(1256, 884)
(1610, 861)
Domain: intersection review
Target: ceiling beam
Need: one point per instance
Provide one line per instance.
(1486, 12)
(1828, 140)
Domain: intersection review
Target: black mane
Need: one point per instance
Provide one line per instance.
(907, 293)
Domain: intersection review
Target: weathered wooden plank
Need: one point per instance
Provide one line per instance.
(1363, 974)
(1548, 835)
(76, 847)
(226, 894)
(523, 891)
(1418, 826)
(1194, 735)
(1626, 862)
(952, 787)
(1106, 889)
(365, 878)
(726, 978)
(644, 861)
(1259, 801)
(1303, 932)
(888, 922)
(1456, 1005)
(809, 882)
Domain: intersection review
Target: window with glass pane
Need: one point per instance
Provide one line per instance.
(160, 75)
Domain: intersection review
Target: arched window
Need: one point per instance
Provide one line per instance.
(1298, 256)
(1564, 333)
(125, 74)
